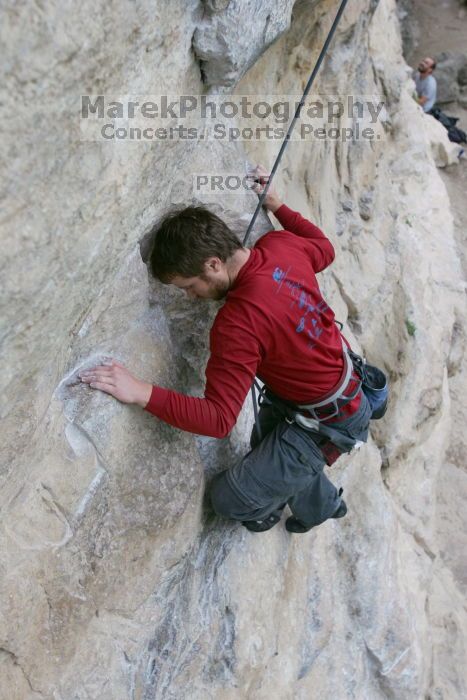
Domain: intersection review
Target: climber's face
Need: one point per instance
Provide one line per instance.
(213, 283)
(426, 66)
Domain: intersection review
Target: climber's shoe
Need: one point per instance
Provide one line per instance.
(266, 523)
(341, 511)
(295, 525)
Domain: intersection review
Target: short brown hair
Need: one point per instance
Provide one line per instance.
(185, 239)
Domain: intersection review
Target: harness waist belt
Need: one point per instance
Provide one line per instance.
(337, 394)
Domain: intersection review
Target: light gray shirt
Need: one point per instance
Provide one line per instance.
(426, 87)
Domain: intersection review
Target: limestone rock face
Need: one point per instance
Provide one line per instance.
(233, 34)
(116, 580)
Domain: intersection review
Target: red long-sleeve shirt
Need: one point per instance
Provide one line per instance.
(274, 324)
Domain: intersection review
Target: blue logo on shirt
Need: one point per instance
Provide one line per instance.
(309, 320)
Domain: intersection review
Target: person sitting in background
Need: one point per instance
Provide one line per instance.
(426, 84)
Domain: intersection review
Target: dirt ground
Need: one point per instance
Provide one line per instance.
(442, 27)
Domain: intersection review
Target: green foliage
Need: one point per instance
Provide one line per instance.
(411, 328)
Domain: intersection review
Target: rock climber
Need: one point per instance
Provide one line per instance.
(425, 83)
(275, 324)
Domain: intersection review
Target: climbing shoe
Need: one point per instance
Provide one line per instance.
(266, 523)
(341, 511)
(295, 525)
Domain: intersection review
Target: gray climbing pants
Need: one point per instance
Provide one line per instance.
(285, 466)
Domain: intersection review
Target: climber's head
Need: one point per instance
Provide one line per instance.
(196, 251)
(426, 66)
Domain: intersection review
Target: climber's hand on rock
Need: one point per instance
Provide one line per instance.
(115, 379)
(271, 201)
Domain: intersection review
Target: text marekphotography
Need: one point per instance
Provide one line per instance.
(156, 118)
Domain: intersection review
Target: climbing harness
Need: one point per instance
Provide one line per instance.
(336, 399)
(332, 441)
(281, 153)
(311, 415)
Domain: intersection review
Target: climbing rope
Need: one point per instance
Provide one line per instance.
(295, 117)
(281, 153)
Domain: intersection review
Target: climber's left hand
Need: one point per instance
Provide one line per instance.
(115, 379)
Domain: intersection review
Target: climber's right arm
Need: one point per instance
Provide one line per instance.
(230, 372)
